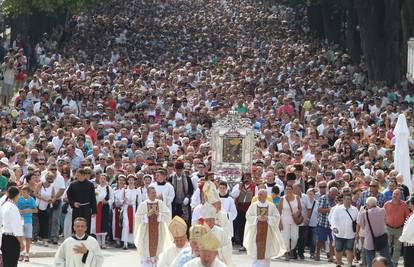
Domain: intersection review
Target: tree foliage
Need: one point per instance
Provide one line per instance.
(15, 8)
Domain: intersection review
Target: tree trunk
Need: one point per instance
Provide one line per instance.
(314, 13)
(380, 31)
(353, 41)
(407, 26)
(331, 18)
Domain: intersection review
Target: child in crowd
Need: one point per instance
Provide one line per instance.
(27, 206)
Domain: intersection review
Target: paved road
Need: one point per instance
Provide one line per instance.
(129, 258)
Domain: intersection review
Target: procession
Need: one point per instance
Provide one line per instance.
(193, 133)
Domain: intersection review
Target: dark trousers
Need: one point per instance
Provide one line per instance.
(10, 248)
(300, 246)
(238, 225)
(408, 256)
(44, 216)
(84, 212)
(311, 239)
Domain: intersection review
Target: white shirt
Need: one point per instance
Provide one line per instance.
(166, 191)
(341, 221)
(11, 219)
(57, 142)
(58, 183)
(313, 221)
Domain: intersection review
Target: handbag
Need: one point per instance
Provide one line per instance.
(56, 204)
(354, 223)
(65, 207)
(297, 216)
(380, 242)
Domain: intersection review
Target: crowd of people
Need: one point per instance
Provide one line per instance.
(117, 123)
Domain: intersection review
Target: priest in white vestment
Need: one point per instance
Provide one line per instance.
(208, 214)
(178, 230)
(262, 238)
(79, 250)
(209, 246)
(151, 229)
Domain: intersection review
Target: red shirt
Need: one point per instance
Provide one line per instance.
(92, 134)
(396, 213)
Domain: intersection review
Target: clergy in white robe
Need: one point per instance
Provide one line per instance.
(189, 253)
(79, 250)
(151, 229)
(212, 196)
(262, 238)
(209, 246)
(165, 191)
(227, 204)
(178, 230)
(208, 214)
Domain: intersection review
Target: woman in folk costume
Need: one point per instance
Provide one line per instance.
(151, 229)
(178, 230)
(262, 238)
(147, 181)
(117, 212)
(132, 199)
(104, 200)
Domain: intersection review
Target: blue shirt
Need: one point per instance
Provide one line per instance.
(388, 195)
(26, 204)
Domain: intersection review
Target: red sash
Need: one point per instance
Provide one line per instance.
(130, 212)
(99, 217)
(117, 223)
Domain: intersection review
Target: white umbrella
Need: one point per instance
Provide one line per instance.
(401, 152)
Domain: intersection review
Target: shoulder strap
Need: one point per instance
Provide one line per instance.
(290, 207)
(350, 215)
(313, 206)
(370, 227)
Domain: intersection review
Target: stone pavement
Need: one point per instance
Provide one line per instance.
(43, 257)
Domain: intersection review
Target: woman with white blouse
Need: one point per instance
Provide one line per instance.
(44, 196)
(12, 229)
(289, 205)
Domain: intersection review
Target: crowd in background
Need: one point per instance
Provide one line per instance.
(137, 87)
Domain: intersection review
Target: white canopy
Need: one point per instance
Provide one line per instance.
(401, 152)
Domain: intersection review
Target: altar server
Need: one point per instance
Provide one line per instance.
(165, 191)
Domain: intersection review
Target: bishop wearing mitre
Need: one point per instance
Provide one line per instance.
(151, 229)
(208, 245)
(262, 238)
(208, 217)
(178, 230)
(212, 196)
